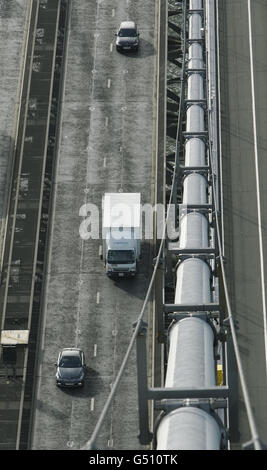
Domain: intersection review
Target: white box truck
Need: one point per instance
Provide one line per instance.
(121, 233)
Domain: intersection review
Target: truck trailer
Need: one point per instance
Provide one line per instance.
(121, 233)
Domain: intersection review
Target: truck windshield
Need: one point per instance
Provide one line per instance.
(121, 256)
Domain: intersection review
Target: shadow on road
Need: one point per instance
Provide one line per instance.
(146, 49)
(93, 385)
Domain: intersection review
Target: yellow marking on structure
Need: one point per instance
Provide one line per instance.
(219, 374)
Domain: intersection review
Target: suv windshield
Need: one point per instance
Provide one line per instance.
(70, 361)
(121, 256)
(127, 33)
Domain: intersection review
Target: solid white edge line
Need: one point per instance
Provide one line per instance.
(257, 180)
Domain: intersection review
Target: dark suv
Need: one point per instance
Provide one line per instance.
(70, 368)
(127, 37)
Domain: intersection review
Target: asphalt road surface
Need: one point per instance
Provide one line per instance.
(244, 222)
(106, 145)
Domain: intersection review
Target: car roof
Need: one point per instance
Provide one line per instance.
(70, 352)
(128, 25)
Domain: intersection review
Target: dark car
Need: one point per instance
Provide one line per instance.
(127, 37)
(70, 368)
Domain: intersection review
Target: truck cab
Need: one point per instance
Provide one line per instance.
(122, 256)
(121, 240)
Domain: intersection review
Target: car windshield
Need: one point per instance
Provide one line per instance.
(70, 361)
(127, 33)
(121, 256)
